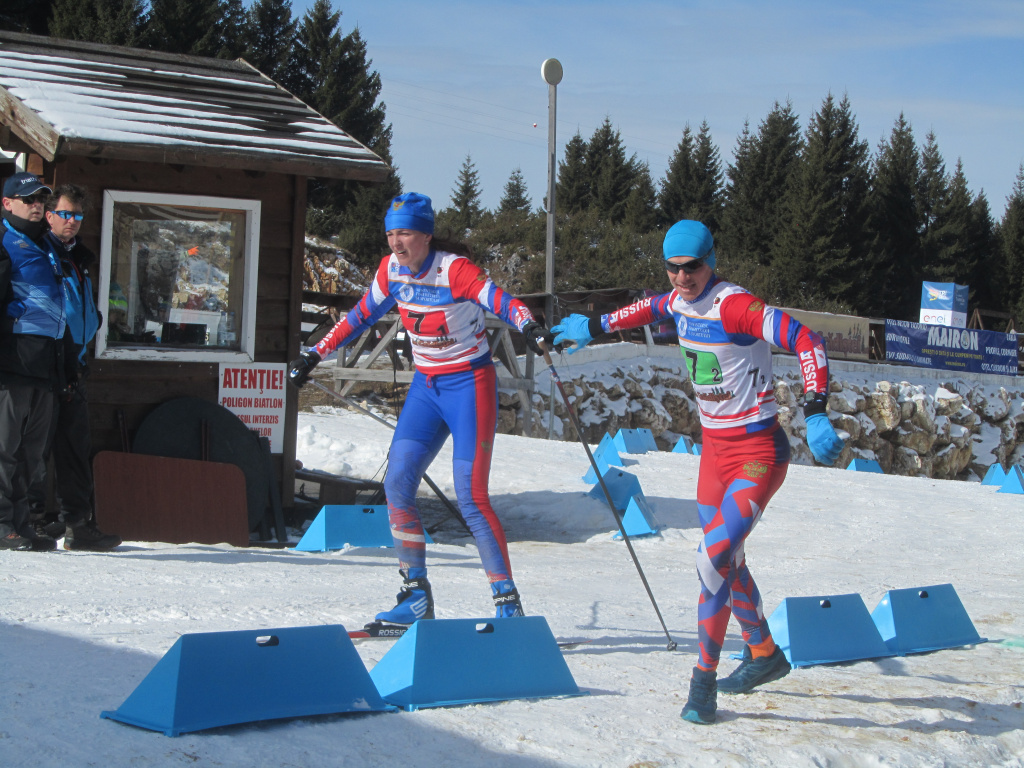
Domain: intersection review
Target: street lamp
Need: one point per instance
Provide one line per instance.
(551, 71)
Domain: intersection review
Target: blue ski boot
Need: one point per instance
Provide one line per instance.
(702, 703)
(506, 599)
(415, 601)
(754, 672)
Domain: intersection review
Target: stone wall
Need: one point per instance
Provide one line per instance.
(952, 428)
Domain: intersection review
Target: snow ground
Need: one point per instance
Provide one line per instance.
(79, 631)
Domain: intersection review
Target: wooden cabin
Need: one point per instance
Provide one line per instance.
(196, 170)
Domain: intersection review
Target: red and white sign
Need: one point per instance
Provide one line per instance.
(255, 393)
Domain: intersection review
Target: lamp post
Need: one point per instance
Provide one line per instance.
(551, 71)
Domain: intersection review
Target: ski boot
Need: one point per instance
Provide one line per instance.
(702, 703)
(506, 599)
(415, 600)
(754, 672)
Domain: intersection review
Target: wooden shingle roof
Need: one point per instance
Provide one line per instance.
(61, 97)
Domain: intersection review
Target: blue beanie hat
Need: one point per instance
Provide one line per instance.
(410, 211)
(689, 238)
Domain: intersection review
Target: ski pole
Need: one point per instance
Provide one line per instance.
(607, 493)
(366, 411)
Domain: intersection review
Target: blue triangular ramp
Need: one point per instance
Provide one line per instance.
(683, 445)
(444, 662)
(924, 619)
(697, 449)
(638, 519)
(354, 525)
(1014, 482)
(621, 485)
(647, 439)
(995, 475)
(212, 679)
(826, 630)
(606, 450)
(631, 441)
(865, 465)
(591, 476)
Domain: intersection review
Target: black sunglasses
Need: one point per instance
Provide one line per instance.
(689, 267)
(33, 199)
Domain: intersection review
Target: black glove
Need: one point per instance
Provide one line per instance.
(534, 333)
(300, 368)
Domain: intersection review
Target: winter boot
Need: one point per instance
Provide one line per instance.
(86, 536)
(13, 540)
(506, 599)
(754, 672)
(702, 704)
(415, 601)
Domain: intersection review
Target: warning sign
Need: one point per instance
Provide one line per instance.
(255, 393)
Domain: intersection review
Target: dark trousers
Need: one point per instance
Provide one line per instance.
(71, 444)
(26, 414)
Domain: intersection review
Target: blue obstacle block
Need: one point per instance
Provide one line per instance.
(445, 662)
(338, 525)
(638, 519)
(634, 441)
(826, 630)
(865, 465)
(1014, 482)
(607, 451)
(924, 619)
(212, 679)
(697, 447)
(683, 445)
(620, 484)
(995, 475)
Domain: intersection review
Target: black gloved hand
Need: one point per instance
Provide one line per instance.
(300, 368)
(535, 332)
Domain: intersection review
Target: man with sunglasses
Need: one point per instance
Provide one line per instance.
(71, 441)
(33, 360)
(725, 335)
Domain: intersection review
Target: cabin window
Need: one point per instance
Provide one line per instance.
(178, 277)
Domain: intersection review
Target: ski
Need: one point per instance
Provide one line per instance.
(380, 630)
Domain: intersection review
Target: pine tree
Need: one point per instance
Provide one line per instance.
(111, 22)
(762, 171)
(985, 282)
(1010, 238)
(465, 211)
(932, 191)
(191, 27)
(270, 38)
(709, 193)
(233, 30)
(611, 175)
(675, 199)
(572, 190)
(31, 16)
(951, 229)
(891, 279)
(823, 245)
(514, 199)
(641, 214)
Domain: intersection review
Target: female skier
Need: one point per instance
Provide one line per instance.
(441, 296)
(724, 333)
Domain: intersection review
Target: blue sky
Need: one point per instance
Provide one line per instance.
(463, 78)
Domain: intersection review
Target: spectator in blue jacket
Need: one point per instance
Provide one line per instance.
(33, 361)
(71, 442)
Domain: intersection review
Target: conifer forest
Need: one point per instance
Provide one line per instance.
(804, 212)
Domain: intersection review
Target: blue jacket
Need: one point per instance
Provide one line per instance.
(83, 319)
(34, 315)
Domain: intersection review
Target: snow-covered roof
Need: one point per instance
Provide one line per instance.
(62, 97)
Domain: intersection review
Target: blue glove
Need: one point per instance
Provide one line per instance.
(822, 439)
(574, 329)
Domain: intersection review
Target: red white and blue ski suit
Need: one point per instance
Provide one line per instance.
(724, 336)
(454, 391)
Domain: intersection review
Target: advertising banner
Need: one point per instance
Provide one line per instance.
(846, 336)
(950, 349)
(944, 304)
(255, 393)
